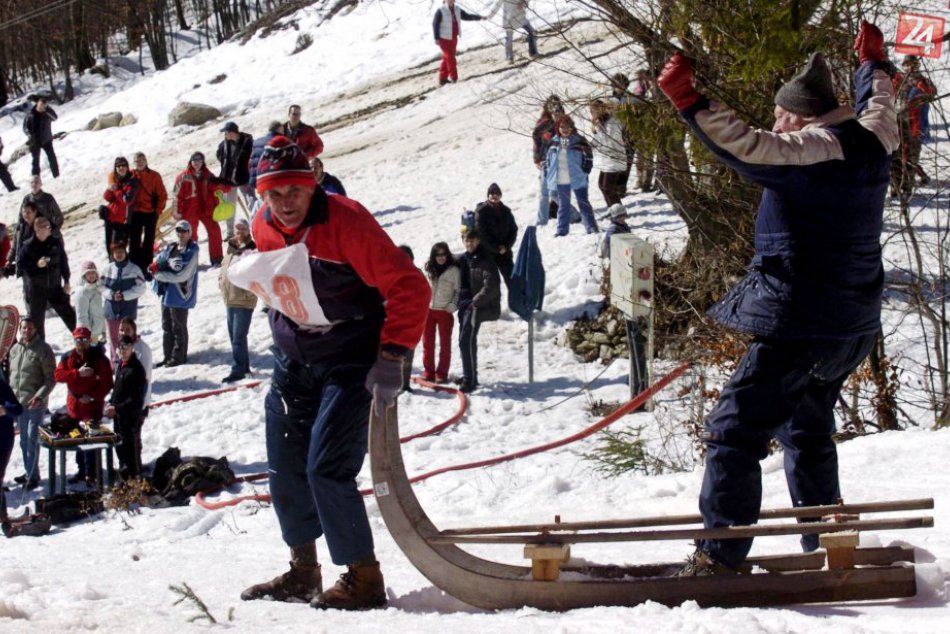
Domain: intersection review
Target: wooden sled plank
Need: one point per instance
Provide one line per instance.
(803, 512)
(492, 585)
(726, 532)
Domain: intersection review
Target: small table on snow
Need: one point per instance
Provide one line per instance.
(92, 445)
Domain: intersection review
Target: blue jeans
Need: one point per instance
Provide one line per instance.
(564, 209)
(543, 203)
(317, 426)
(532, 42)
(239, 322)
(785, 390)
(29, 423)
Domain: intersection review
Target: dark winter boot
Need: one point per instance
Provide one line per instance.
(701, 564)
(300, 584)
(359, 588)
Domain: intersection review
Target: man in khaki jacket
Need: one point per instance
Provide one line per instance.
(32, 364)
(240, 303)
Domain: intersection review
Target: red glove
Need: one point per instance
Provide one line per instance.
(869, 43)
(153, 267)
(676, 81)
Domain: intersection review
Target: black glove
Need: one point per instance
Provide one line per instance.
(9, 270)
(384, 382)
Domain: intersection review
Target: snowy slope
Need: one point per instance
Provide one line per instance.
(416, 166)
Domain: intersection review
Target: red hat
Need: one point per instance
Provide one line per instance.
(82, 331)
(283, 163)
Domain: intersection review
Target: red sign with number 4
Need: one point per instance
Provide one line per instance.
(919, 34)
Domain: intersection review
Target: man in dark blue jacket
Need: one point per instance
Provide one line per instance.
(38, 127)
(812, 298)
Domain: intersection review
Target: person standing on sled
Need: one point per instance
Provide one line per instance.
(346, 307)
(812, 299)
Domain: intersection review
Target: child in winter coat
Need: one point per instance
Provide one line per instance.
(444, 278)
(89, 310)
(569, 161)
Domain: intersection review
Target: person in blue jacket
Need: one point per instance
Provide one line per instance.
(569, 161)
(812, 297)
(10, 408)
(175, 273)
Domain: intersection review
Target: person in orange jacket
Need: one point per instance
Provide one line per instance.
(149, 202)
(195, 201)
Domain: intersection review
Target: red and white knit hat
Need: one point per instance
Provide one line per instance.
(283, 163)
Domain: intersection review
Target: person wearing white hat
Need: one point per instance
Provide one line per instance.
(175, 273)
(89, 309)
(618, 224)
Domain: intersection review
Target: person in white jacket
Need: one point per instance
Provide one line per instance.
(514, 15)
(89, 310)
(445, 278)
(610, 155)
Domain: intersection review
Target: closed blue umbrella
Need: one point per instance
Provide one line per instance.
(526, 287)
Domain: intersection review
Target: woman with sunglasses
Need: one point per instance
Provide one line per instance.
(444, 278)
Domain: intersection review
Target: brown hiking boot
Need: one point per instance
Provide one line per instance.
(701, 564)
(359, 588)
(300, 584)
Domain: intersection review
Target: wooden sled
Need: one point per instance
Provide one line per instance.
(855, 573)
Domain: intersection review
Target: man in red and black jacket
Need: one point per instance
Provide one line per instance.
(87, 374)
(374, 304)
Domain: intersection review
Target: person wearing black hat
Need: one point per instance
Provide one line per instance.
(234, 155)
(496, 225)
(479, 301)
(812, 298)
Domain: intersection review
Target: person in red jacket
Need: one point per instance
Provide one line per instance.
(305, 136)
(912, 90)
(87, 373)
(338, 347)
(195, 201)
(122, 190)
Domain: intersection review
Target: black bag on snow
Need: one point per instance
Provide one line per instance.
(70, 507)
(177, 480)
(33, 525)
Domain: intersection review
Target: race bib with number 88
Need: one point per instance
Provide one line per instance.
(281, 279)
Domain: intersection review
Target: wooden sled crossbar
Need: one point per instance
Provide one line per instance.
(729, 532)
(858, 574)
(802, 512)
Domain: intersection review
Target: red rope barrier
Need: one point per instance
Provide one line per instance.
(263, 497)
(616, 415)
(200, 395)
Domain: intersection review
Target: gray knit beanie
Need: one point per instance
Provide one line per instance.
(809, 93)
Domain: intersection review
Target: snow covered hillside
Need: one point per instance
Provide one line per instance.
(416, 155)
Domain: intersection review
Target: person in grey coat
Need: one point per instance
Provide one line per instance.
(32, 364)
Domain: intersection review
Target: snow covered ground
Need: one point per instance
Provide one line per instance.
(416, 167)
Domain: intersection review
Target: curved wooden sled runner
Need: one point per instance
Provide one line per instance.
(855, 573)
